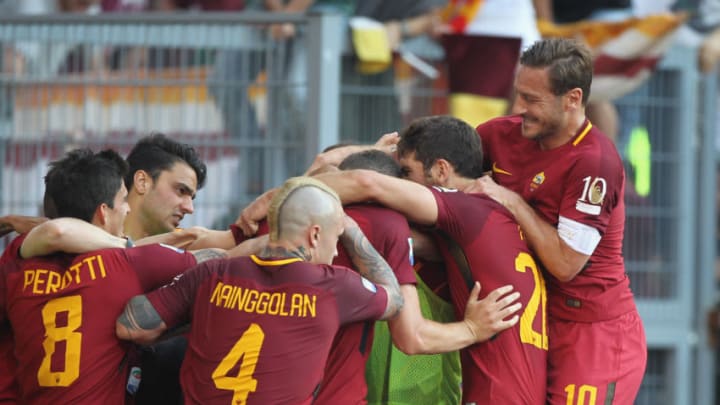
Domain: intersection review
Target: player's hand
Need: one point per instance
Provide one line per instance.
(388, 142)
(493, 314)
(250, 217)
(486, 185)
(249, 247)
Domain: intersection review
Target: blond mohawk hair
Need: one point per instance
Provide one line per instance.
(288, 188)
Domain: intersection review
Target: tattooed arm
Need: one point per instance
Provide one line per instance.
(139, 322)
(371, 265)
(204, 255)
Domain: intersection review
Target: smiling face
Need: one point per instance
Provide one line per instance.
(543, 112)
(169, 199)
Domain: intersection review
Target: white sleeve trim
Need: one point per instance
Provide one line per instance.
(580, 237)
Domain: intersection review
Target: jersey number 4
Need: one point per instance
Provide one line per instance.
(71, 309)
(246, 352)
(536, 305)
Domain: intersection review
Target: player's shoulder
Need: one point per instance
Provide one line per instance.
(374, 218)
(597, 150)
(12, 251)
(499, 125)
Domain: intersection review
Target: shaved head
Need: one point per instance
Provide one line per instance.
(299, 204)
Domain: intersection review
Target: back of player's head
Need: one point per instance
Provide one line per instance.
(569, 63)
(300, 203)
(372, 159)
(156, 153)
(81, 181)
(443, 137)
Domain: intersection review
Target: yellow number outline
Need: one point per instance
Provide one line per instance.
(538, 300)
(582, 392)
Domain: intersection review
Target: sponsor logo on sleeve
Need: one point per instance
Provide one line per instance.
(412, 255)
(173, 248)
(368, 284)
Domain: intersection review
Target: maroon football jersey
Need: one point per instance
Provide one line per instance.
(511, 368)
(388, 231)
(583, 183)
(62, 310)
(9, 392)
(261, 329)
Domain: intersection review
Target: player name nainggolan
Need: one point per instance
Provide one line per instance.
(276, 303)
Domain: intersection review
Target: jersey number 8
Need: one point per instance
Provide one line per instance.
(55, 334)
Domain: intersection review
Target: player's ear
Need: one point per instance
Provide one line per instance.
(443, 168)
(141, 181)
(314, 236)
(100, 216)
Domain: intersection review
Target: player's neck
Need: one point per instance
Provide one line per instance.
(460, 183)
(564, 135)
(280, 250)
(133, 228)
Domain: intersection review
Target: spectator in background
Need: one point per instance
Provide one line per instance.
(363, 116)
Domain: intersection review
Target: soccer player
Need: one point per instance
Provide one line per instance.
(272, 316)
(445, 153)
(162, 182)
(60, 307)
(563, 181)
(344, 380)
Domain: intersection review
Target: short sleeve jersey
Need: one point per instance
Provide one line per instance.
(62, 310)
(389, 233)
(261, 329)
(581, 183)
(8, 364)
(509, 369)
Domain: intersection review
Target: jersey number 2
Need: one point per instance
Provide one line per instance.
(246, 350)
(71, 307)
(536, 305)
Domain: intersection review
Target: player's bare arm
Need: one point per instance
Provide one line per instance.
(557, 256)
(387, 143)
(249, 247)
(19, 223)
(413, 200)
(371, 265)
(204, 255)
(413, 334)
(139, 322)
(69, 235)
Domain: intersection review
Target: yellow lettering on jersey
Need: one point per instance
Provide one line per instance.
(42, 281)
(253, 301)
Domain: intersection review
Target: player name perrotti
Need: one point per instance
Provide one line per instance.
(41, 281)
(261, 302)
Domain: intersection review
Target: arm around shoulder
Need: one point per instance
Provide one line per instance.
(139, 322)
(69, 235)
